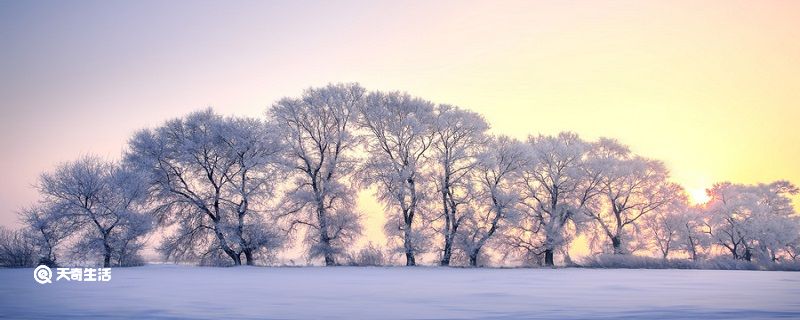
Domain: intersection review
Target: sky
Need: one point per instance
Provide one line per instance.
(712, 88)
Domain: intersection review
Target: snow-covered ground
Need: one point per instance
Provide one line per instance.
(168, 291)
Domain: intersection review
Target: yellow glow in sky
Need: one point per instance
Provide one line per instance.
(698, 196)
(709, 87)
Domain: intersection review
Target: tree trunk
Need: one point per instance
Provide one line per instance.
(549, 247)
(410, 260)
(223, 244)
(747, 255)
(237, 261)
(408, 218)
(248, 255)
(734, 251)
(107, 258)
(448, 251)
(106, 252)
(326, 243)
(617, 244)
(447, 241)
(409, 248)
(448, 220)
(329, 260)
(248, 252)
(548, 258)
(473, 258)
(692, 249)
(324, 238)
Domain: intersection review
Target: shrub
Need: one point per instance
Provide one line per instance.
(726, 263)
(636, 262)
(783, 266)
(16, 249)
(617, 261)
(370, 255)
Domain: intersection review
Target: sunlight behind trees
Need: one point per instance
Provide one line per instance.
(236, 190)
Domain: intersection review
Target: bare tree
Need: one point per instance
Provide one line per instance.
(255, 148)
(631, 187)
(398, 136)
(556, 188)
(47, 232)
(458, 136)
(99, 201)
(497, 170)
(212, 177)
(17, 249)
(692, 237)
(317, 129)
(753, 220)
(793, 250)
(664, 227)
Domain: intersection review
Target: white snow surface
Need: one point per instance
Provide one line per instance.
(177, 292)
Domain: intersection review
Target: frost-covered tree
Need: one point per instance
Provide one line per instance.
(692, 236)
(663, 229)
(101, 204)
(458, 137)
(793, 250)
(212, 178)
(496, 194)
(630, 187)
(753, 221)
(398, 135)
(775, 235)
(556, 186)
(17, 249)
(318, 130)
(46, 230)
(728, 223)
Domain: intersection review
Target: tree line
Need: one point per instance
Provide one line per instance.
(238, 190)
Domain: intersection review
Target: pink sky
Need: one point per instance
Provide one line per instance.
(711, 87)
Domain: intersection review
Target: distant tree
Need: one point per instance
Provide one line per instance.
(398, 136)
(664, 227)
(318, 130)
(556, 187)
(729, 215)
(692, 237)
(630, 187)
(793, 250)
(753, 220)
(43, 226)
(497, 194)
(458, 136)
(17, 250)
(213, 178)
(101, 202)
